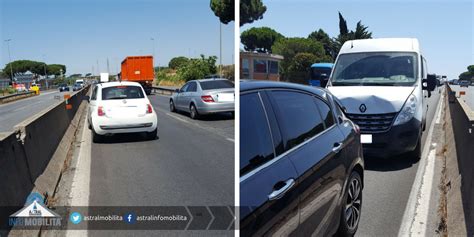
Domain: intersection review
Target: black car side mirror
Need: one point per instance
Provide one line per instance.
(177, 90)
(88, 98)
(429, 83)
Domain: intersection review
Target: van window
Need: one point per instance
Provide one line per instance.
(256, 145)
(424, 69)
(298, 116)
(375, 69)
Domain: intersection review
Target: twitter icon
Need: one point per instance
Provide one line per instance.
(75, 218)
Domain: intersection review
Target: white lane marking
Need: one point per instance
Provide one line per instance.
(416, 208)
(230, 139)
(438, 115)
(420, 222)
(176, 117)
(81, 181)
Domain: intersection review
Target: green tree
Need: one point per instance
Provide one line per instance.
(327, 42)
(290, 47)
(361, 32)
(198, 68)
(467, 75)
(224, 9)
(178, 62)
(55, 69)
(251, 10)
(260, 39)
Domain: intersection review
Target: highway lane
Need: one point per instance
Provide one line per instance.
(190, 164)
(387, 186)
(15, 112)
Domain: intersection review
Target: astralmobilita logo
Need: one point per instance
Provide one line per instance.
(34, 214)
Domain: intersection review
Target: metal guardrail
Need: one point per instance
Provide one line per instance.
(12, 97)
(163, 90)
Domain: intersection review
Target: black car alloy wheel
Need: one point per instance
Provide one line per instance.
(353, 204)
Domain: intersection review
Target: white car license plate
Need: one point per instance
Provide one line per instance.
(227, 97)
(366, 138)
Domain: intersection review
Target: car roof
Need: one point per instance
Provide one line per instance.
(118, 83)
(210, 79)
(248, 85)
(381, 45)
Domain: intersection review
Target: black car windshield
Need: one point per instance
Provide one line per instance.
(216, 84)
(122, 92)
(320, 73)
(375, 69)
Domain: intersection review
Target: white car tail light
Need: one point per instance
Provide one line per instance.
(149, 109)
(100, 111)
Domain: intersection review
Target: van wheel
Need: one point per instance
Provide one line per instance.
(152, 135)
(193, 112)
(416, 154)
(96, 138)
(351, 206)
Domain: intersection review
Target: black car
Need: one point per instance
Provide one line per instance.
(63, 87)
(301, 162)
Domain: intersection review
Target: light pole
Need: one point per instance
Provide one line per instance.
(153, 43)
(10, 56)
(220, 48)
(45, 72)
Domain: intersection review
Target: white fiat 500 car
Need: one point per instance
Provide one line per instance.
(120, 107)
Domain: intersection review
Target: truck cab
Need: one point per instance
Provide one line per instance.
(383, 85)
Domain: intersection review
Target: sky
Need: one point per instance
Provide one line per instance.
(444, 28)
(80, 33)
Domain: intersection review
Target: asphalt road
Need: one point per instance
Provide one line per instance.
(387, 186)
(15, 112)
(190, 164)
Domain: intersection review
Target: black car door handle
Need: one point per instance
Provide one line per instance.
(277, 194)
(337, 147)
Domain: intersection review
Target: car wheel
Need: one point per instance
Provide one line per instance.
(96, 138)
(152, 135)
(193, 112)
(172, 108)
(415, 154)
(351, 206)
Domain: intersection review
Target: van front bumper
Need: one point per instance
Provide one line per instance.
(397, 140)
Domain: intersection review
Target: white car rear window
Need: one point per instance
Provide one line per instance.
(122, 92)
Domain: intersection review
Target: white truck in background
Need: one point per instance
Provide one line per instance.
(104, 77)
(382, 83)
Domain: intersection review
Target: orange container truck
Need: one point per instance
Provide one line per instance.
(139, 69)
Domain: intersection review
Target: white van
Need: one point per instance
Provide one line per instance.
(383, 85)
(80, 82)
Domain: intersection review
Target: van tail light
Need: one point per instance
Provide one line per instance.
(149, 109)
(100, 111)
(207, 98)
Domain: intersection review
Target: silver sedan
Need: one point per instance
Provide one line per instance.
(204, 96)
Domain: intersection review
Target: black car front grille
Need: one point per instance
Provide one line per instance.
(373, 123)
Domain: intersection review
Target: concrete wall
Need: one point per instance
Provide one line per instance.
(460, 169)
(26, 153)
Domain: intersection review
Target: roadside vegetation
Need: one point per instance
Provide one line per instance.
(300, 52)
(468, 75)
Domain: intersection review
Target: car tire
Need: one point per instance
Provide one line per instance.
(348, 221)
(193, 112)
(96, 138)
(172, 107)
(152, 135)
(90, 125)
(416, 153)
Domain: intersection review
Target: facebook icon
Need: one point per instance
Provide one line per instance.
(130, 218)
